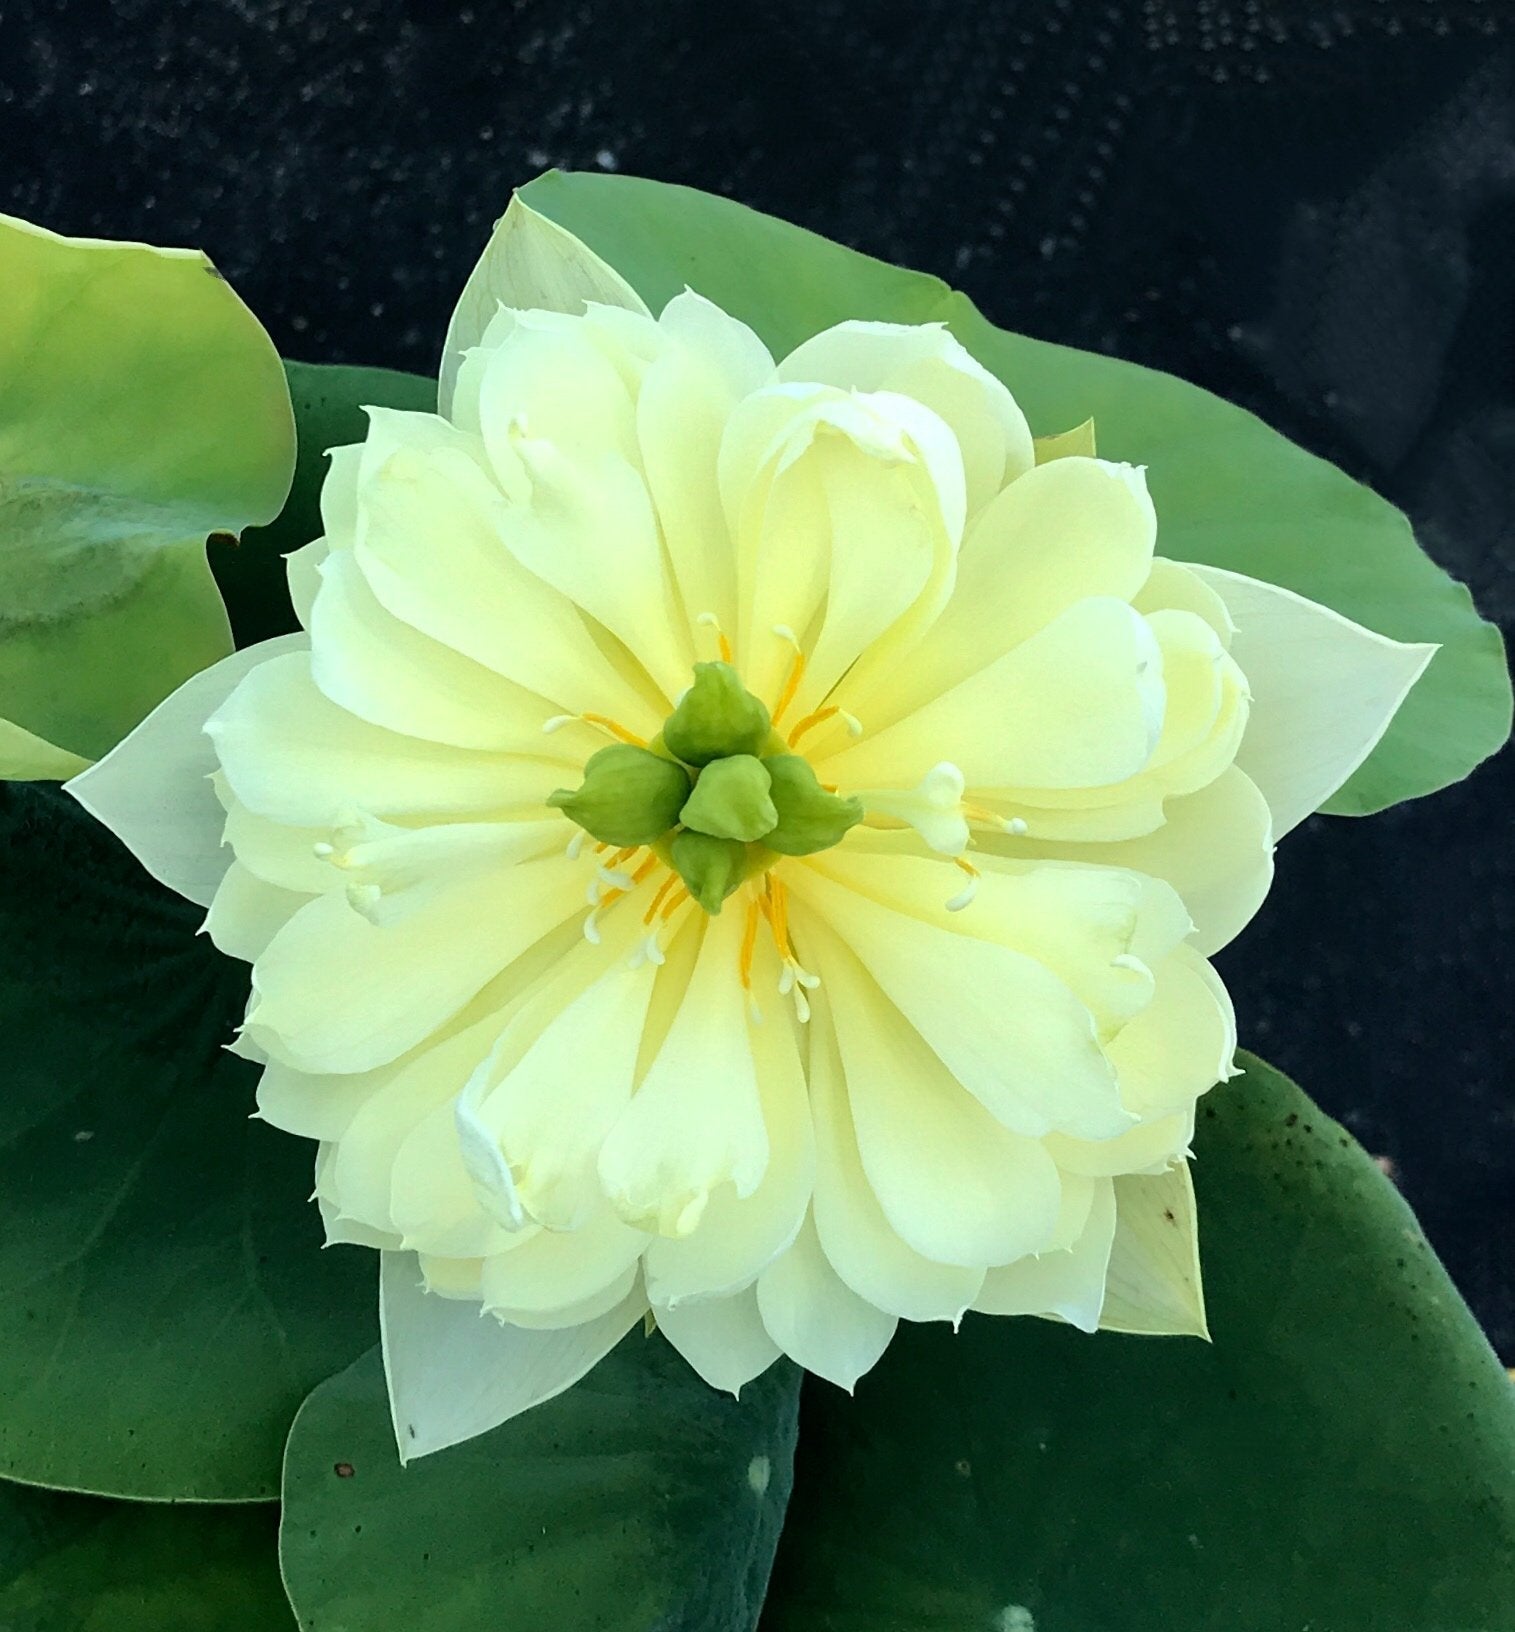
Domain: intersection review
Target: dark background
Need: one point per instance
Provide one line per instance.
(1309, 208)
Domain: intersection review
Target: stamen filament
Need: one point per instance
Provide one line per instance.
(810, 721)
(796, 673)
(965, 895)
(711, 621)
(779, 902)
(605, 723)
(1012, 825)
(616, 730)
(749, 944)
(657, 900)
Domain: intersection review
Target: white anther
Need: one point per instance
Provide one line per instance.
(615, 879)
(804, 978)
(594, 890)
(323, 851)
(963, 896)
(592, 928)
(364, 898)
(1016, 827)
(576, 843)
(709, 620)
(556, 723)
(786, 980)
(801, 1005)
(784, 632)
(852, 722)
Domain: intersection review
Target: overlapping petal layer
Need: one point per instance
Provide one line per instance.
(950, 1062)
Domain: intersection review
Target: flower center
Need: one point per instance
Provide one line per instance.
(717, 796)
(720, 795)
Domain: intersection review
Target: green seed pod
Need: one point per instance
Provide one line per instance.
(629, 795)
(809, 818)
(731, 800)
(712, 868)
(717, 717)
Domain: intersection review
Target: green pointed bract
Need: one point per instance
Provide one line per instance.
(717, 717)
(809, 818)
(731, 800)
(629, 795)
(712, 868)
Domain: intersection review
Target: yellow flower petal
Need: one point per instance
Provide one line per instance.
(922, 1137)
(429, 547)
(859, 1242)
(737, 1237)
(1079, 705)
(291, 754)
(724, 1339)
(1069, 1283)
(927, 364)
(414, 972)
(1063, 533)
(816, 1319)
(558, 1269)
(1004, 1025)
(677, 1142)
(248, 912)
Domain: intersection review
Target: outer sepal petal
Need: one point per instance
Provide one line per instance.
(455, 1373)
(153, 789)
(528, 263)
(1153, 1284)
(1324, 691)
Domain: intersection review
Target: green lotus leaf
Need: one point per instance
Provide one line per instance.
(641, 1500)
(142, 408)
(328, 400)
(79, 1564)
(165, 1304)
(1229, 491)
(1340, 1455)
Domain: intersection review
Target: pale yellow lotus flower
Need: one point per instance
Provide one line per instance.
(894, 1001)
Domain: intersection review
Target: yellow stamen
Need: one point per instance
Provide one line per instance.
(619, 732)
(749, 944)
(796, 674)
(1012, 825)
(711, 621)
(675, 901)
(657, 900)
(644, 869)
(623, 855)
(820, 716)
(779, 919)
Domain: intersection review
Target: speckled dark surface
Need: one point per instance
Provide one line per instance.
(1309, 208)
